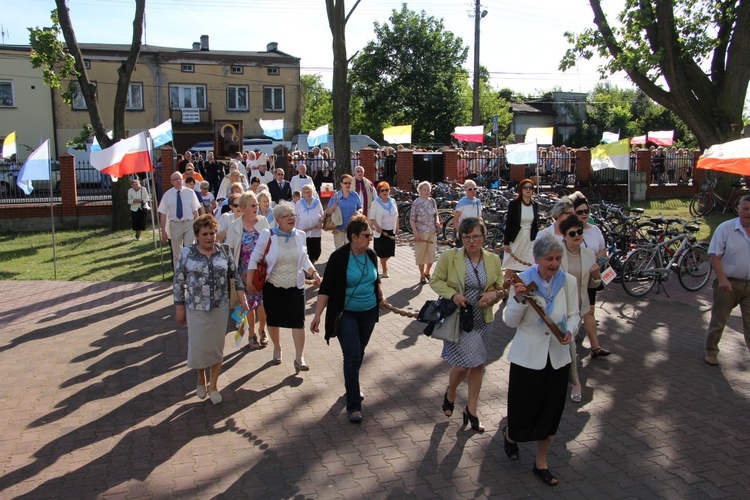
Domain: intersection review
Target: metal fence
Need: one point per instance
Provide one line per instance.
(91, 185)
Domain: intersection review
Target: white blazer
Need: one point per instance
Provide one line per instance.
(376, 214)
(587, 260)
(303, 261)
(533, 343)
(309, 218)
(234, 235)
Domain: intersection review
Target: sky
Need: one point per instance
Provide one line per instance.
(521, 42)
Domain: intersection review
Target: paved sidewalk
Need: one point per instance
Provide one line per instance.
(97, 402)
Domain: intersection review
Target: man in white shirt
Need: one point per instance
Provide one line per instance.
(178, 207)
(302, 179)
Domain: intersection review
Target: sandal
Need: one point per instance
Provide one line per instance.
(263, 339)
(253, 343)
(511, 449)
(600, 352)
(447, 405)
(545, 476)
(576, 397)
(473, 419)
(423, 280)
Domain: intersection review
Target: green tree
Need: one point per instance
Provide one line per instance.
(63, 61)
(412, 74)
(699, 48)
(317, 104)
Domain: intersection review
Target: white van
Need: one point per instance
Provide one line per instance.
(299, 142)
(264, 145)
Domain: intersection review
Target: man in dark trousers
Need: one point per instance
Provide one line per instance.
(279, 188)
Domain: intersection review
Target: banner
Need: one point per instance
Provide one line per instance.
(273, 128)
(469, 133)
(9, 145)
(610, 137)
(732, 157)
(318, 136)
(615, 155)
(521, 154)
(661, 137)
(639, 140)
(35, 168)
(400, 134)
(542, 135)
(161, 134)
(129, 156)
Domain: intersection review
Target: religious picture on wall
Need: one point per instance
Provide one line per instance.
(227, 138)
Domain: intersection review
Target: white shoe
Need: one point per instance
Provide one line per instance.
(215, 397)
(201, 391)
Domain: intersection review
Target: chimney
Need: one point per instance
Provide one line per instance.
(196, 46)
(204, 42)
(272, 46)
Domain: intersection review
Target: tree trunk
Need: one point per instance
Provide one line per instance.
(341, 88)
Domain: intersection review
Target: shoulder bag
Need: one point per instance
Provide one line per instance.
(450, 328)
(335, 219)
(259, 278)
(337, 321)
(234, 301)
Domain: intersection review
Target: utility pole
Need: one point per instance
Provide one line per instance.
(475, 120)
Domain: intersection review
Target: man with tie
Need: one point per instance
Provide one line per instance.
(179, 206)
(302, 179)
(279, 188)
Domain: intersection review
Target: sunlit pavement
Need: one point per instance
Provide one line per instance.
(96, 401)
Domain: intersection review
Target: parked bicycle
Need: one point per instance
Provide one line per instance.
(704, 202)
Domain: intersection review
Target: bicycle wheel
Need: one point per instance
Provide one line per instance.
(590, 195)
(449, 232)
(494, 241)
(563, 192)
(638, 277)
(694, 269)
(403, 216)
(617, 261)
(701, 205)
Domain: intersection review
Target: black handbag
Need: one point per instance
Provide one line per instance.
(467, 318)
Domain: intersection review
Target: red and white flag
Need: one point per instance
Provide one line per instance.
(129, 156)
(661, 137)
(731, 157)
(469, 133)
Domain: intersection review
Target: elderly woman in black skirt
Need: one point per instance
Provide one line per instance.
(284, 291)
(384, 222)
(539, 363)
(137, 199)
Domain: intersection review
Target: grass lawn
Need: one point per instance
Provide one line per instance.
(96, 254)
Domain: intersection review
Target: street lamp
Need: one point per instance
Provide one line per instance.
(478, 16)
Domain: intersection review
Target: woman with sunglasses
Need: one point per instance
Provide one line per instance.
(349, 203)
(593, 239)
(521, 228)
(468, 206)
(581, 263)
(384, 222)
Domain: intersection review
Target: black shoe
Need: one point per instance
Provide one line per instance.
(599, 353)
(355, 417)
(511, 449)
(545, 476)
(447, 405)
(475, 423)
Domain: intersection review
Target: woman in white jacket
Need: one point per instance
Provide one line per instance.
(539, 367)
(309, 212)
(384, 222)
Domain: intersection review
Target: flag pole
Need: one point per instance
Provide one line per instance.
(52, 210)
(158, 247)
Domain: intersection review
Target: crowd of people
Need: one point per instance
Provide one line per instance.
(275, 228)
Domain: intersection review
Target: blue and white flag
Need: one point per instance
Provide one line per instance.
(162, 134)
(273, 128)
(318, 136)
(521, 154)
(35, 168)
(95, 145)
(610, 137)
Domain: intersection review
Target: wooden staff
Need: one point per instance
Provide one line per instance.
(528, 298)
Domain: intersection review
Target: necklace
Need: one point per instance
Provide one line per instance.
(527, 204)
(363, 266)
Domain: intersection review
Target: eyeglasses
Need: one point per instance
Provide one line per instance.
(383, 190)
(471, 189)
(582, 212)
(365, 235)
(234, 205)
(472, 237)
(251, 205)
(290, 216)
(529, 187)
(573, 234)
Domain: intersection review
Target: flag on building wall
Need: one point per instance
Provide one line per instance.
(317, 136)
(610, 137)
(9, 145)
(639, 140)
(542, 135)
(615, 155)
(161, 134)
(732, 157)
(521, 154)
(661, 137)
(273, 128)
(129, 156)
(400, 134)
(35, 168)
(469, 133)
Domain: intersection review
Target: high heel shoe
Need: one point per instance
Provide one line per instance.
(447, 405)
(511, 449)
(300, 367)
(277, 356)
(475, 423)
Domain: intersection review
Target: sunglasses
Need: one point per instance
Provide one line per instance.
(234, 205)
(346, 183)
(471, 189)
(530, 188)
(383, 190)
(365, 235)
(573, 234)
(582, 212)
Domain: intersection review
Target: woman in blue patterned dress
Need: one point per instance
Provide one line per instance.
(242, 235)
(201, 298)
(465, 276)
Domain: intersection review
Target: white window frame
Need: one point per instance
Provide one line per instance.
(237, 69)
(4, 103)
(232, 101)
(274, 70)
(272, 91)
(79, 103)
(187, 68)
(135, 106)
(87, 63)
(192, 89)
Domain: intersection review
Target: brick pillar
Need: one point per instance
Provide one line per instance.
(367, 161)
(68, 188)
(698, 174)
(583, 166)
(168, 166)
(404, 169)
(643, 164)
(450, 164)
(517, 173)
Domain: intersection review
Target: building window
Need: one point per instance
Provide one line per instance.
(6, 95)
(87, 63)
(187, 96)
(135, 97)
(79, 103)
(188, 68)
(237, 70)
(237, 98)
(274, 71)
(273, 98)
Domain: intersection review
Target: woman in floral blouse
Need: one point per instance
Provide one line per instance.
(201, 297)
(424, 224)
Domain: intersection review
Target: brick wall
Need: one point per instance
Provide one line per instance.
(367, 161)
(450, 164)
(404, 168)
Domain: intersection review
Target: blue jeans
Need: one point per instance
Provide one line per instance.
(356, 328)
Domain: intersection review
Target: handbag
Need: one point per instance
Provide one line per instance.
(234, 301)
(333, 220)
(259, 278)
(449, 329)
